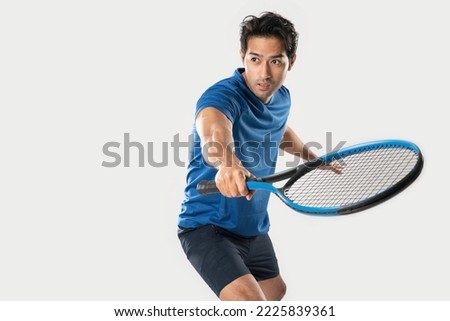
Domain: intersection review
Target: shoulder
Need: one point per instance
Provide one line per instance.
(224, 95)
(223, 92)
(231, 86)
(283, 91)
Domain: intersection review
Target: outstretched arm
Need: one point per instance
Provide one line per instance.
(216, 134)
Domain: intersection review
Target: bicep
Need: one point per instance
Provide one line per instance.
(210, 120)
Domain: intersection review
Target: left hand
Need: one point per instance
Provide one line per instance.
(334, 166)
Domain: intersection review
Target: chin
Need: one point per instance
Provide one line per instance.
(265, 98)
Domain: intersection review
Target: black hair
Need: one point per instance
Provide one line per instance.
(270, 24)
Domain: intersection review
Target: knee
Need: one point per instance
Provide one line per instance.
(244, 288)
(281, 291)
(274, 289)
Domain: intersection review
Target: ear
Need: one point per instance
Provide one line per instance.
(242, 53)
(292, 61)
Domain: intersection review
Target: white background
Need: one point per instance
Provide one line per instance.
(75, 75)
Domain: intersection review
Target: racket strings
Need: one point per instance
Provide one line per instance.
(365, 175)
(380, 176)
(378, 179)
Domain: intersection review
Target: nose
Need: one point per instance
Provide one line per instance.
(265, 71)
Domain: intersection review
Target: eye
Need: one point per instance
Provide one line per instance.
(254, 59)
(276, 62)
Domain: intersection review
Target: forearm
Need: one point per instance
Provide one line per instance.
(217, 149)
(216, 134)
(292, 144)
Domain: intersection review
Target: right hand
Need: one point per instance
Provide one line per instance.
(231, 181)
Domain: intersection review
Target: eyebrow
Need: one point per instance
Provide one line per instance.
(271, 57)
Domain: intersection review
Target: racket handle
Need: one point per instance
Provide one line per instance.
(207, 187)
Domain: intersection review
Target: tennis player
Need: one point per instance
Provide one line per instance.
(240, 123)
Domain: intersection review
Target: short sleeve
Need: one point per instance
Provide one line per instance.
(221, 98)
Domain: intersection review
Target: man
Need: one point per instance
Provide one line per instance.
(240, 123)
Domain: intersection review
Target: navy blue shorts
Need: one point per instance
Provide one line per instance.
(220, 257)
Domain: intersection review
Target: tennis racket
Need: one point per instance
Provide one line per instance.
(371, 173)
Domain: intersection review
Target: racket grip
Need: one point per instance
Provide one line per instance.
(207, 187)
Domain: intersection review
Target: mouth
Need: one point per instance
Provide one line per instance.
(264, 86)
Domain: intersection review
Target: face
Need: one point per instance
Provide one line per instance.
(266, 65)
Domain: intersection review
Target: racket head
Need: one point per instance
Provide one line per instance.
(372, 173)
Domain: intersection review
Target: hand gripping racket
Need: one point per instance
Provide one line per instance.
(371, 174)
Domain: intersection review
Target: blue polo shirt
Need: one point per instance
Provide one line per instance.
(257, 131)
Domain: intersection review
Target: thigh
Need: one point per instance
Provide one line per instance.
(261, 259)
(213, 255)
